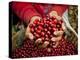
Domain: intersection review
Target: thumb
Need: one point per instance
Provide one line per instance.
(34, 18)
(58, 33)
(29, 34)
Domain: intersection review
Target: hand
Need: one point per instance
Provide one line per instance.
(58, 34)
(28, 34)
(58, 37)
(55, 14)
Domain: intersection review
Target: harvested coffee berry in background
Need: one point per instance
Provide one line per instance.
(28, 49)
(45, 28)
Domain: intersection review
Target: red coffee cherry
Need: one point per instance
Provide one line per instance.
(47, 22)
(37, 35)
(54, 29)
(42, 33)
(34, 25)
(42, 38)
(48, 32)
(45, 30)
(31, 25)
(47, 39)
(46, 35)
(32, 30)
(41, 23)
(54, 21)
(36, 21)
(38, 31)
(40, 27)
(49, 28)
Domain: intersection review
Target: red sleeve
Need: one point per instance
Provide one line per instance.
(39, 8)
(60, 9)
(24, 10)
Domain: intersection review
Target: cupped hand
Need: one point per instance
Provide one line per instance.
(28, 34)
(58, 34)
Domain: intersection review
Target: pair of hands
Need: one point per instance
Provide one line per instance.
(57, 33)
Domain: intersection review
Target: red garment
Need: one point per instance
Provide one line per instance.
(26, 10)
(60, 9)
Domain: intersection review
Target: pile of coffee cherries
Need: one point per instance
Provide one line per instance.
(44, 29)
(28, 50)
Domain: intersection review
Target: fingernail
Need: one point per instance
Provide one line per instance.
(39, 40)
(58, 18)
(31, 36)
(53, 39)
(55, 33)
(56, 44)
(45, 44)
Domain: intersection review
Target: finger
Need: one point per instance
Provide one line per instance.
(58, 18)
(53, 39)
(53, 13)
(63, 27)
(59, 38)
(39, 40)
(28, 29)
(30, 35)
(45, 44)
(58, 33)
(34, 18)
(54, 46)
